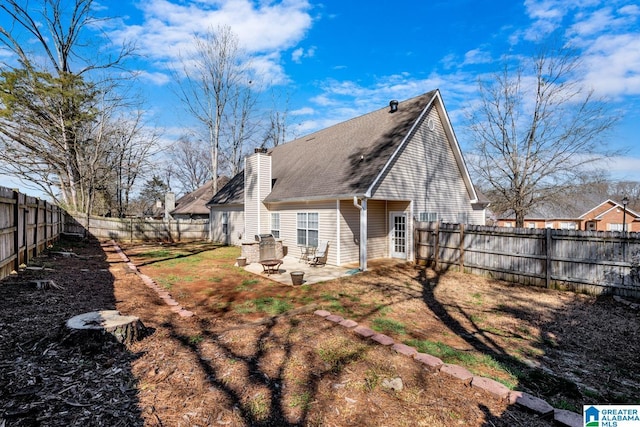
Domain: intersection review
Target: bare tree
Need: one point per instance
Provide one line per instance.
(277, 123)
(535, 134)
(48, 108)
(189, 163)
(240, 127)
(212, 77)
(131, 146)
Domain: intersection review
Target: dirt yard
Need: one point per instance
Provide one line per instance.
(255, 355)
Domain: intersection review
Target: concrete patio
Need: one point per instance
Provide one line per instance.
(312, 274)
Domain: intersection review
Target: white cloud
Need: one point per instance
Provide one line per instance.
(156, 78)
(623, 168)
(298, 54)
(477, 56)
(264, 29)
(613, 65)
(602, 20)
(606, 34)
(304, 111)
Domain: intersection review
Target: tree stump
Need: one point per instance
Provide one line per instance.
(125, 329)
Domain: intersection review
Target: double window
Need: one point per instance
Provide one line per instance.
(307, 226)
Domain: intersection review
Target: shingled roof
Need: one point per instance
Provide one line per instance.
(340, 161)
(232, 193)
(195, 202)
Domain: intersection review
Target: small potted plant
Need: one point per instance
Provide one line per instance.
(242, 261)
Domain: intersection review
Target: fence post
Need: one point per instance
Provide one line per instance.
(436, 247)
(25, 230)
(16, 233)
(46, 224)
(35, 230)
(547, 249)
(461, 248)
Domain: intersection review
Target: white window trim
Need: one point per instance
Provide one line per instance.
(306, 227)
(275, 230)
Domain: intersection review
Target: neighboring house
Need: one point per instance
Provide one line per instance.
(607, 216)
(194, 205)
(162, 210)
(359, 184)
(558, 222)
(227, 212)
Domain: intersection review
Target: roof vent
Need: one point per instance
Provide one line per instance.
(261, 150)
(393, 106)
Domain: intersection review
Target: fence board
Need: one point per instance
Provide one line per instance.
(137, 229)
(27, 226)
(586, 261)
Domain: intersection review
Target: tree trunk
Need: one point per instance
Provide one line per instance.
(108, 323)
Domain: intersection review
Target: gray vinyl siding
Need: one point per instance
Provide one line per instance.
(289, 226)
(377, 229)
(426, 172)
(349, 232)
(479, 216)
(235, 215)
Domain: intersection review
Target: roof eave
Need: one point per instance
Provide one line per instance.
(313, 198)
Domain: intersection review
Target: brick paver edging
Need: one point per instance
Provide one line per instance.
(499, 391)
(164, 295)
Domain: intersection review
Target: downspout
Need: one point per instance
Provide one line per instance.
(363, 230)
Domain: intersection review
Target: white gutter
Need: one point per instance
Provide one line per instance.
(363, 230)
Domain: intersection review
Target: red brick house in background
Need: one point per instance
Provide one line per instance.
(607, 216)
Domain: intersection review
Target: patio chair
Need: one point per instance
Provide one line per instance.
(306, 253)
(320, 256)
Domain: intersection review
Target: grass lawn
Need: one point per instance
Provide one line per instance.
(529, 339)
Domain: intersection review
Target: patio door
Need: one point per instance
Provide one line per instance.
(398, 235)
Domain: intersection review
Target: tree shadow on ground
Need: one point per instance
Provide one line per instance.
(533, 377)
(267, 407)
(265, 382)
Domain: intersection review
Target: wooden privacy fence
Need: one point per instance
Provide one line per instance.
(27, 226)
(593, 262)
(136, 229)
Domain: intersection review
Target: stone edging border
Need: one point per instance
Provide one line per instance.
(164, 295)
(500, 391)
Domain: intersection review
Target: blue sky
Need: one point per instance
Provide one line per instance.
(339, 59)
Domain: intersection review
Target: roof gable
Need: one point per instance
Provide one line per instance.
(452, 143)
(347, 159)
(605, 207)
